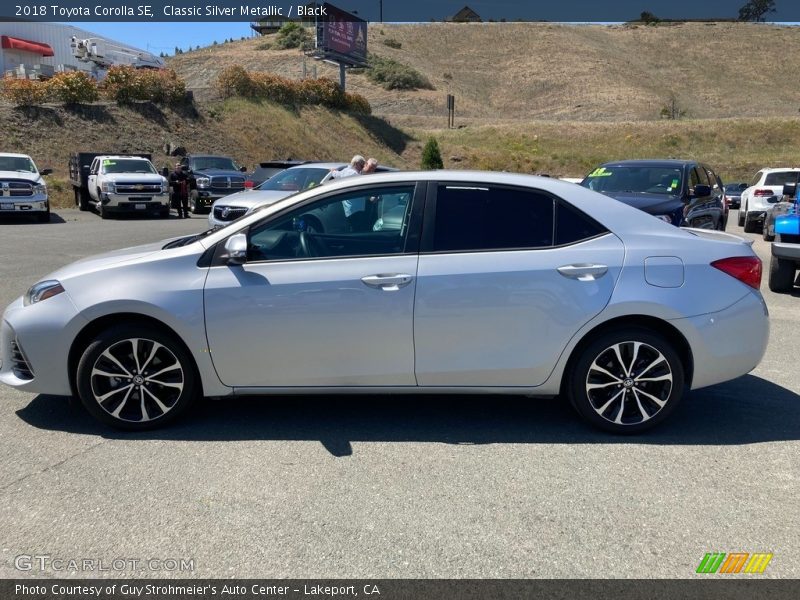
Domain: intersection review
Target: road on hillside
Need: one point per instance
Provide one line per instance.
(394, 486)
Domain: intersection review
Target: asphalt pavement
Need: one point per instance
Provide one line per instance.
(392, 486)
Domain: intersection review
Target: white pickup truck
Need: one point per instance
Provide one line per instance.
(22, 189)
(128, 184)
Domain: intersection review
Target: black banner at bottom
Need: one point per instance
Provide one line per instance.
(716, 588)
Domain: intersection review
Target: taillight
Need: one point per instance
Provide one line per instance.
(248, 184)
(763, 192)
(746, 269)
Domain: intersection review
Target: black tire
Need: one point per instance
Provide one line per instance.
(44, 217)
(194, 203)
(164, 214)
(81, 198)
(765, 233)
(781, 275)
(750, 226)
(102, 211)
(741, 217)
(609, 402)
(133, 414)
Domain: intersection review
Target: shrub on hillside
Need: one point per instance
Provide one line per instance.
(23, 92)
(291, 35)
(392, 43)
(73, 87)
(431, 156)
(126, 84)
(393, 75)
(237, 82)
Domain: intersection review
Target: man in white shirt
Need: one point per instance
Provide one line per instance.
(354, 168)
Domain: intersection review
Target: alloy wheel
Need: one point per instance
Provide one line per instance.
(137, 380)
(629, 383)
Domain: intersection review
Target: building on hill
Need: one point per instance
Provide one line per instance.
(465, 15)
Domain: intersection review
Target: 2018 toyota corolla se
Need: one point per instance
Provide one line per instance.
(457, 282)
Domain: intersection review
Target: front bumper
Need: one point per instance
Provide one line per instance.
(134, 204)
(43, 334)
(25, 204)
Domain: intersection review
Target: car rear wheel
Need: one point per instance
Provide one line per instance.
(741, 217)
(136, 378)
(781, 275)
(626, 381)
(194, 203)
(768, 233)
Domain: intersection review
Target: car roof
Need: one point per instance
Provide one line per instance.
(650, 162)
(14, 155)
(121, 156)
(208, 156)
(779, 169)
(320, 165)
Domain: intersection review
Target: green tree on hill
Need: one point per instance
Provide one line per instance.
(431, 156)
(756, 10)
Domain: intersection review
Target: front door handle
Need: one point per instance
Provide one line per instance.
(388, 283)
(583, 271)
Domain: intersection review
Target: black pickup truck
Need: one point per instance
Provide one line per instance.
(210, 178)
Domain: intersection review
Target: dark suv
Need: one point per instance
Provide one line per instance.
(681, 192)
(210, 178)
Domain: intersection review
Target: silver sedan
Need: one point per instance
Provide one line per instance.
(437, 282)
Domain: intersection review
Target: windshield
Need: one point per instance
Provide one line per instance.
(23, 164)
(635, 179)
(127, 165)
(735, 187)
(223, 163)
(294, 180)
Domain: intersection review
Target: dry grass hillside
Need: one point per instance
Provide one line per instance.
(511, 71)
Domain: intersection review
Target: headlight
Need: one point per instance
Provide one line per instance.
(42, 291)
(665, 218)
(40, 188)
(203, 182)
(107, 187)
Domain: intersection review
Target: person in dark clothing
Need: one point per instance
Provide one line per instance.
(179, 184)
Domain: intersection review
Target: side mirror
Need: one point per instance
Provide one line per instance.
(773, 199)
(790, 189)
(243, 169)
(46, 172)
(236, 249)
(702, 191)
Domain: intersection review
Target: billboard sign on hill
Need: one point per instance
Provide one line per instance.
(341, 36)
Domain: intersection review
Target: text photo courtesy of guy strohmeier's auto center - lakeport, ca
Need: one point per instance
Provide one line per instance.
(399, 299)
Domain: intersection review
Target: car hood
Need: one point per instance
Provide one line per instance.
(132, 177)
(107, 259)
(253, 198)
(221, 173)
(654, 204)
(32, 177)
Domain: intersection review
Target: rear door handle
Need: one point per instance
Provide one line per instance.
(583, 271)
(388, 283)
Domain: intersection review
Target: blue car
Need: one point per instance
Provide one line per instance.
(784, 226)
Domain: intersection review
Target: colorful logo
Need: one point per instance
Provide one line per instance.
(736, 562)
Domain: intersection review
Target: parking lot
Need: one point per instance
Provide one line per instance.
(395, 486)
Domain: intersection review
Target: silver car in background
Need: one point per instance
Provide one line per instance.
(437, 282)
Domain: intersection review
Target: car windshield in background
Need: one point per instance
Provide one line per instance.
(295, 180)
(781, 178)
(127, 166)
(735, 187)
(645, 180)
(17, 163)
(215, 162)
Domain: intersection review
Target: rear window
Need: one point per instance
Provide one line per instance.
(781, 178)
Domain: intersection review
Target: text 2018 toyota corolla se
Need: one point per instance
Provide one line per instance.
(458, 282)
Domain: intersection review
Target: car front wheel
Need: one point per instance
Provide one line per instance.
(626, 381)
(135, 378)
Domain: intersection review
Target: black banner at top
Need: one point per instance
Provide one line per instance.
(394, 10)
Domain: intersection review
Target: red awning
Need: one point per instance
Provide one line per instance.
(12, 43)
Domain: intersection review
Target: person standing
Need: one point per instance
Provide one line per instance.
(179, 183)
(356, 166)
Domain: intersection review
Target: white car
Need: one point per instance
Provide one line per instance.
(22, 189)
(127, 184)
(766, 184)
